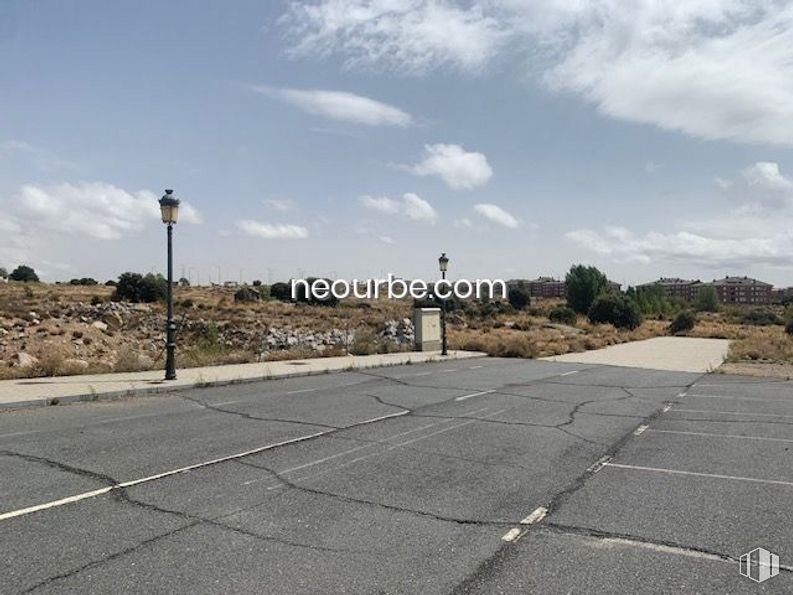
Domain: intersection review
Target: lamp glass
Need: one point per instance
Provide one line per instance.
(443, 262)
(170, 213)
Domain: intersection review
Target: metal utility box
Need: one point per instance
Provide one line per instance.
(427, 325)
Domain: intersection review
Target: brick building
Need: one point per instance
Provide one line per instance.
(730, 290)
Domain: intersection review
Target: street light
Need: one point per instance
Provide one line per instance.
(443, 264)
(169, 207)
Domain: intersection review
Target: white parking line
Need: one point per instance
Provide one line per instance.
(696, 474)
(423, 374)
(389, 449)
(511, 534)
(640, 430)
(475, 367)
(472, 395)
(302, 390)
(711, 435)
(536, 516)
(126, 484)
(599, 464)
(569, 373)
(756, 400)
(667, 407)
(450, 370)
(744, 413)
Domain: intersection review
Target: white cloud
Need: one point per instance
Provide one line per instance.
(383, 204)
(407, 36)
(497, 215)
(44, 159)
(707, 68)
(409, 205)
(279, 204)
(418, 209)
(93, 209)
(460, 169)
(462, 223)
(269, 231)
(759, 230)
(386, 239)
(340, 105)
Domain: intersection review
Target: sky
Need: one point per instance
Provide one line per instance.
(353, 138)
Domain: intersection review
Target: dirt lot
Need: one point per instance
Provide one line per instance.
(62, 329)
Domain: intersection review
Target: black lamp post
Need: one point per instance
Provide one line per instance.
(443, 264)
(169, 207)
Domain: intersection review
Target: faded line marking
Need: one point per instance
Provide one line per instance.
(712, 435)
(696, 474)
(475, 367)
(756, 400)
(640, 430)
(511, 535)
(744, 413)
(450, 370)
(134, 482)
(536, 516)
(681, 395)
(423, 374)
(667, 407)
(569, 373)
(302, 390)
(599, 464)
(472, 395)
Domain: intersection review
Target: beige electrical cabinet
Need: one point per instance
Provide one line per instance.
(427, 325)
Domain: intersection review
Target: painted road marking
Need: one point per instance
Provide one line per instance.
(756, 400)
(667, 407)
(302, 390)
(450, 370)
(126, 484)
(640, 430)
(423, 374)
(389, 449)
(745, 413)
(475, 367)
(599, 464)
(711, 435)
(536, 516)
(681, 395)
(472, 395)
(511, 535)
(363, 446)
(569, 373)
(696, 474)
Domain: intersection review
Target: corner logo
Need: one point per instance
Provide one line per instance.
(759, 565)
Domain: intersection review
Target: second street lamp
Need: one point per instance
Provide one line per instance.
(443, 264)
(169, 207)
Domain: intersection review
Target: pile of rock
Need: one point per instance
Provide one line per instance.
(400, 332)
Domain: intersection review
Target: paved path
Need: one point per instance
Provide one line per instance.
(680, 354)
(44, 391)
(475, 476)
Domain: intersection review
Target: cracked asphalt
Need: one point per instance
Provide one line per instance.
(482, 476)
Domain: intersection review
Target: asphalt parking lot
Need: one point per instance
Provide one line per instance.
(479, 476)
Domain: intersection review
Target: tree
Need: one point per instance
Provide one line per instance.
(707, 300)
(584, 284)
(789, 327)
(616, 309)
(683, 322)
(281, 291)
(25, 274)
(184, 282)
(133, 287)
(518, 297)
(563, 315)
(3, 273)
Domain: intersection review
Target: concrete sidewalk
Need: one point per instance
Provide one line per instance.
(678, 354)
(27, 392)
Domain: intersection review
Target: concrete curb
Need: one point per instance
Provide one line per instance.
(162, 386)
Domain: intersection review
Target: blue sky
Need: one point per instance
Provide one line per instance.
(358, 137)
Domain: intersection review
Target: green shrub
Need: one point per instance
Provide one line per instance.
(683, 322)
(584, 285)
(759, 317)
(518, 297)
(133, 287)
(25, 274)
(281, 291)
(616, 309)
(789, 327)
(563, 315)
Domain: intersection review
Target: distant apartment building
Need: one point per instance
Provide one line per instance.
(730, 290)
(546, 287)
(742, 290)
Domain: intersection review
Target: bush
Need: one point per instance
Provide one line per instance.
(519, 297)
(616, 309)
(789, 327)
(330, 300)
(683, 322)
(83, 281)
(563, 315)
(584, 285)
(759, 317)
(25, 274)
(707, 300)
(133, 287)
(247, 295)
(281, 291)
